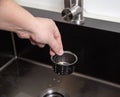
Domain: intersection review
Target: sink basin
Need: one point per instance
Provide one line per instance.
(27, 78)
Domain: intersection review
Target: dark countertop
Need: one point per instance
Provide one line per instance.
(23, 78)
(89, 22)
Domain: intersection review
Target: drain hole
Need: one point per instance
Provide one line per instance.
(54, 94)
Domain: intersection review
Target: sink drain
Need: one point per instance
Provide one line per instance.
(54, 94)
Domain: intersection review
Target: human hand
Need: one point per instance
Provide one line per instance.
(44, 32)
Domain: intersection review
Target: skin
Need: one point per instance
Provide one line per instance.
(40, 31)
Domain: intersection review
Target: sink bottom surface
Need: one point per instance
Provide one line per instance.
(26, 79)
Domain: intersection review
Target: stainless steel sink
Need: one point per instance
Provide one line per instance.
(26, 78)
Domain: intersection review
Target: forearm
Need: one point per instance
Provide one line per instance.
(15, 17)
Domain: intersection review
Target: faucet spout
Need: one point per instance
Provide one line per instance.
(73, 11)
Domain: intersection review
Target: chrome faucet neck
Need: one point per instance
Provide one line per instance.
(67, 3)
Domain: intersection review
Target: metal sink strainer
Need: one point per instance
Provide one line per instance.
(64, 64)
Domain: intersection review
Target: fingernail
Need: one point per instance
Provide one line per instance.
(60, 52)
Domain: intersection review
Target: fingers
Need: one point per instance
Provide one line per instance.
(55, 43)
(23, 35)
(41, 45)
(55, 47)
(57, 37)
(49, 34)
(38, 44)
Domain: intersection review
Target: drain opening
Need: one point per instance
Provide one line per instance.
(54, 94)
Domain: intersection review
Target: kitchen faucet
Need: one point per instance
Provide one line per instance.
(73, 11)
